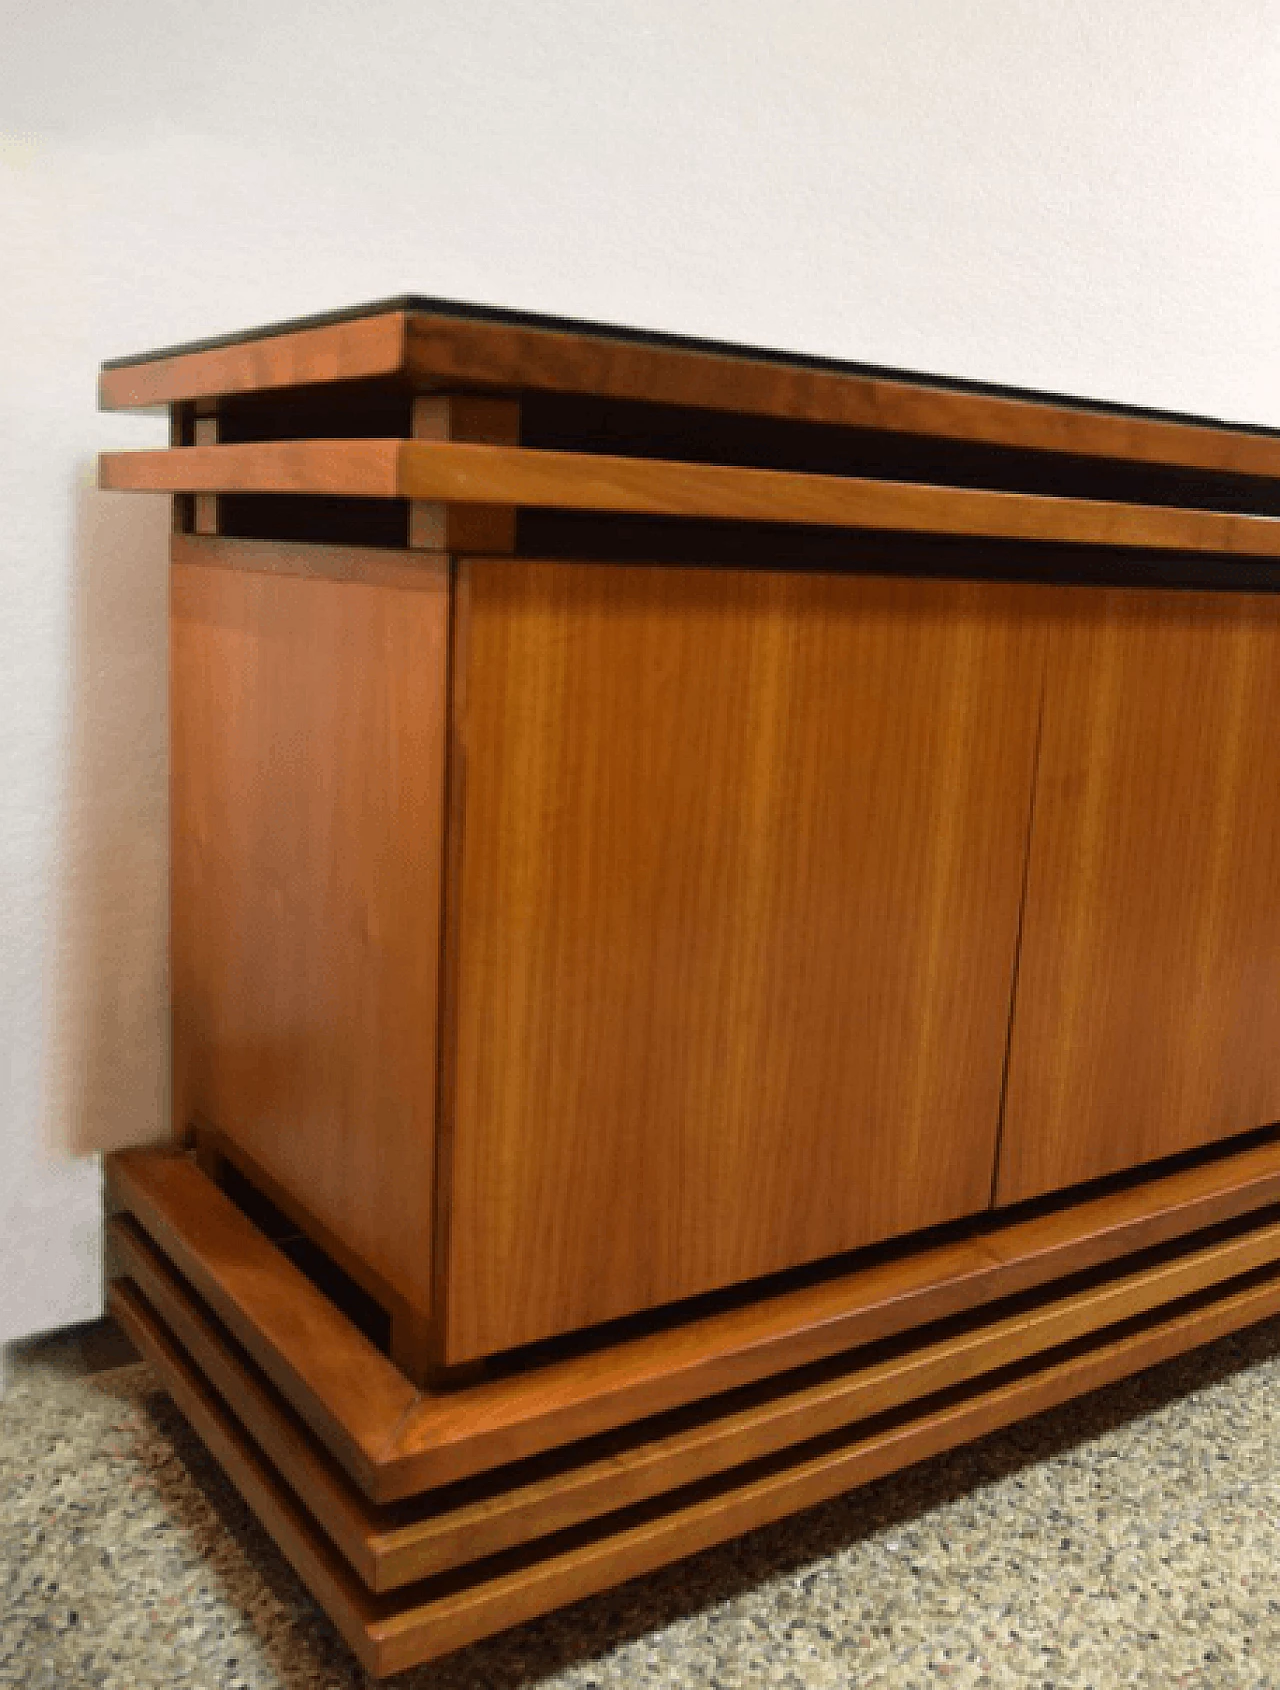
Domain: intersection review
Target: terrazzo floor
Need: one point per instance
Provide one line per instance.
(1129, 1539)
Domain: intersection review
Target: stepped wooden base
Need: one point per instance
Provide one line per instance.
(425, 1519)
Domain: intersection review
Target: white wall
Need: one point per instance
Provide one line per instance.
(1081, 196)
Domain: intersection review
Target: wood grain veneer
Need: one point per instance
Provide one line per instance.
(466, 473)
(445, 350)
(396, 1442)
(147, 1292)
(464, 528)
(1147, 1017)
(344, 468)
(376, 566)
(392, 1632)
(365, 348)
(348, 1605)
(345, 1389)
(308, 740)
(732, 929)
(464, 1524)
(425, 351)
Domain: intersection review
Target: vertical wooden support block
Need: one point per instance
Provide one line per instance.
(181, 433)
(204, 519)
(475, 529)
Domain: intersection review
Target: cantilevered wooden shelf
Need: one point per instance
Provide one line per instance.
(460, 473)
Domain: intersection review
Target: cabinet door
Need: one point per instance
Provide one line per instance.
(1147, 1013)
(737, 865)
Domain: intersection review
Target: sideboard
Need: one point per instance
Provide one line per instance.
(725, 933)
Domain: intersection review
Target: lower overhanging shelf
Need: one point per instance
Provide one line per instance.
(408, 1580)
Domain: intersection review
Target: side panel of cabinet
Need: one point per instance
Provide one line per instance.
(737, 862)
(1147, 1015)
(308, 740)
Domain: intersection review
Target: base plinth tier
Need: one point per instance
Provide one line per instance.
(555, 1482)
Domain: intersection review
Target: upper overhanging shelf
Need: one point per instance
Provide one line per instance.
(613, 420)
(424, 344)
(459, 473)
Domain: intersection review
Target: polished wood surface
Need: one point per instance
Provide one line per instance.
(414, 1441)
(147, 1287)
(466, 473)
(393, 1632)
(361, 349)
(308, 740)
(340, 1384)
(464, 528)
(407, 1326)
(733, 927)
(660, 1457)
(444, 350)
(1147, 1016)
(349, 1606)
(432, 1438)
(375, 566)
(426, 351)
(344, 468)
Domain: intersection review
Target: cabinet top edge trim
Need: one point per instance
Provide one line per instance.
(423, 342)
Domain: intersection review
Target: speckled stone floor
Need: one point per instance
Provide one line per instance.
(1130, 1539)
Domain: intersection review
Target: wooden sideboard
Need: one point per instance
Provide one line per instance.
(724, 934)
